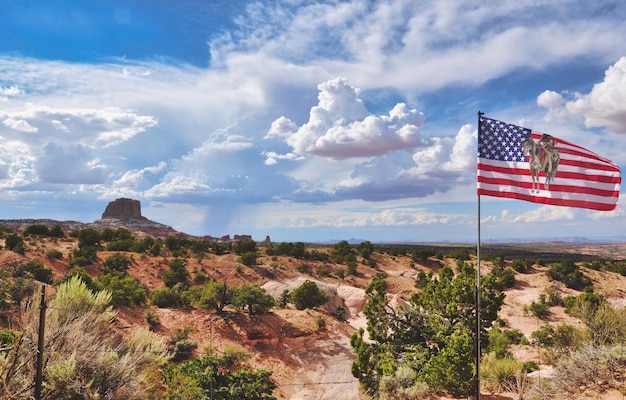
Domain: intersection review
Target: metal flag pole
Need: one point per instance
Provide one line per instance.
(478, 325)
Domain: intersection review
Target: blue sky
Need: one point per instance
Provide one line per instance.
(302, 120)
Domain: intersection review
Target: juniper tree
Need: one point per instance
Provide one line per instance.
(433, 333)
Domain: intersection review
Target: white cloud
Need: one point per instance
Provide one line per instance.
(19, 125)
(546, 214)
(91, 127)
(134, 178)
(272, 158)
(10, 91)
(281, 127)
(550, 99)
(605, 105)
(340, 127)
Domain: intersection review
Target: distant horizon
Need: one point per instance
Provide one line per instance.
(354, 240)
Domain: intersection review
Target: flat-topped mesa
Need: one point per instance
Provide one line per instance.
(123, 208)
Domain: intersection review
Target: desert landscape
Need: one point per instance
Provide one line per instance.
(310, 360)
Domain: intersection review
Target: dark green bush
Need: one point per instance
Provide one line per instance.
(117, 262)
(14, 243)
(37, 229)
(120, 245)
(54, 254)
(540, 309)
(180, 346)
(125, 290)
(569, 273)
(521, 266)
(34, 269)
(152, 319)
(165, 298)
(308, 295)
(177, 273)
(248, 258)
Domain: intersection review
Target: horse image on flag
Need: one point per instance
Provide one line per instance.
(543, 156)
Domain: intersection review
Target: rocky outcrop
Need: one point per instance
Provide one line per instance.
(123, 208)
(120, 213)
(242, 237)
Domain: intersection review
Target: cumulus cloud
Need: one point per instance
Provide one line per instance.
(546, 214)
(19, 125)
(604, 106)
(59, 144)
(441, 164)
(550, 99)
(134, 178)
(340, 127)
(10, 91)
(281, 127)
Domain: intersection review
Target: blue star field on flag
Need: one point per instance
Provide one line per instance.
(501, 141)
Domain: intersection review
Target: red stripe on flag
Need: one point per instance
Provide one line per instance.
(555, 202)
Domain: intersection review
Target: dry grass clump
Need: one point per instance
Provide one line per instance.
(589, 367)
(83, 355)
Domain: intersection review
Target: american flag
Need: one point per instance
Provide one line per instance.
(583, 179)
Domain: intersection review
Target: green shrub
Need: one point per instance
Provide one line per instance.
(499, 374)
(80, 273)
(569, 273)
(308, 295)
(117, 262)
(553, 296)
(177, 273)
(253, 298)
(34, 269)
(7, 338)
(321, 323)
(180, 347)
(54, 254)
(80, 262)
(15, 243)
(89, 253)
(587, 301)
(248, 258)
(125, 290)
(304, 268)
(340, 313)
(521, 266)
(539, 309)
(617, 266)
(499, 341)
(165, 298)
(152, 318)
(352, 268)
(120, 245)
(544, 336)
(211, 377)
(37, 229)
(323, 272)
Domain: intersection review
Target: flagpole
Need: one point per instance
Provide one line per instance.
(478, 292)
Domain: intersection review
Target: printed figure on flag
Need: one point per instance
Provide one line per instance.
(518, 163)
(543, 156)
